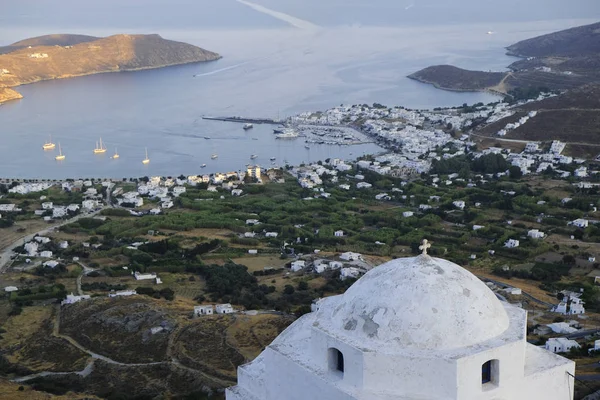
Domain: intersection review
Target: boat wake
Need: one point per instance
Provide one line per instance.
(223, 69)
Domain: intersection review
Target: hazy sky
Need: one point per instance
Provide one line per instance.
(227, 14)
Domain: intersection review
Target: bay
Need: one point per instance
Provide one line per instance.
(343, 54)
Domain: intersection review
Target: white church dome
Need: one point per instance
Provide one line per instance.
(420, 303)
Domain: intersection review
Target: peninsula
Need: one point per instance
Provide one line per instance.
(558, 61)
(65, 56)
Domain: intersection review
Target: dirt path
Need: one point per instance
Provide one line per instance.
(95, 356)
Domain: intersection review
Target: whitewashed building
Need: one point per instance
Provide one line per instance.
(561, 345)
(536, 234)
(367, 344)
(350, 256)
(122, 293)
(71, 299)
(511, 243)
(203, 310)
(298, 265)
(580, 223)
(224, 308)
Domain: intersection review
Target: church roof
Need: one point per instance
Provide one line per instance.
(418, 303)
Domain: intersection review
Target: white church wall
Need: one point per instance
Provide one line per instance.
(290, 380)
(412, 376)
(321, 343)
(507, 368)
(251, 377)
(549, 384)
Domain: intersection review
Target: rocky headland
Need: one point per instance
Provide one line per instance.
(558, 61)
(65, 56)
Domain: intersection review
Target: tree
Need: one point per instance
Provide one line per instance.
(303, 285)
(289, 289)
(515, 172)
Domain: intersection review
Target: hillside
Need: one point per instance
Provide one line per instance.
(574, 42)
(573, 117)
(65, 56)
(7, 94)
(457, 79)
(559, 61)
(182, 356)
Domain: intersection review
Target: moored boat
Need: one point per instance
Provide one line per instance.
(49, 145)
(60, 155)
(146, 160)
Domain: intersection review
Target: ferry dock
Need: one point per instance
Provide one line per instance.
(246, 120)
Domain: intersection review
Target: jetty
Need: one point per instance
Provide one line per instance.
(246, 120)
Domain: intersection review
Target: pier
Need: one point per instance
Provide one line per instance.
(246, 120)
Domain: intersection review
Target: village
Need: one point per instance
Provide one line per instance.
(276, 241)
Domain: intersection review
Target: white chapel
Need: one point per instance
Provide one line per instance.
(418, 328)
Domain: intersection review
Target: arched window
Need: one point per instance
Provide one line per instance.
(336, 361)
(486, 372)
(490, 372)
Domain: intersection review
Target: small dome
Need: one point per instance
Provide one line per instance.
(419, 303)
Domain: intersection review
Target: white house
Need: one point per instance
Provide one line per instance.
(338, 233)
(46, 254)
(407, 214)
(47, 205)
(511, 243)
(580, 223)
(122, 293)
(224, 308)
(140, 277)
(271, 234)
(350, 256)
(363, 185)
(443, 345)
(31, 249)
(63, 244)
(562, 328)
(349, 272)
(203, 310)
(535, 234)
(478, 227)
(459, 204)
(561, 345)
(89, 204)
(178, 190)
(236, 192)
(298, 265)
(252, 251)
(71, 299)
(252, 222)
(51, 264)
(11, 289)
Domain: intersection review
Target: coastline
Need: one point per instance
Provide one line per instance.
(438, 86)
(20, 96)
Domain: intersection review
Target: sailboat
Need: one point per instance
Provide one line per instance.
(99, 147)
(116, 155)
(146, 160)
(49, 145)
(214, 156)
(60, 155)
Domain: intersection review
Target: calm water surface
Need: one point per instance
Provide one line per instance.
(337, 52)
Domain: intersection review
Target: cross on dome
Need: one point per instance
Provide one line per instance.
(425, 246)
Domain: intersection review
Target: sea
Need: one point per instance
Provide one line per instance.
(280, 57)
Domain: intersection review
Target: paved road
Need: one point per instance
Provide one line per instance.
(86, 270)
(5, 256)
(506, 285)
